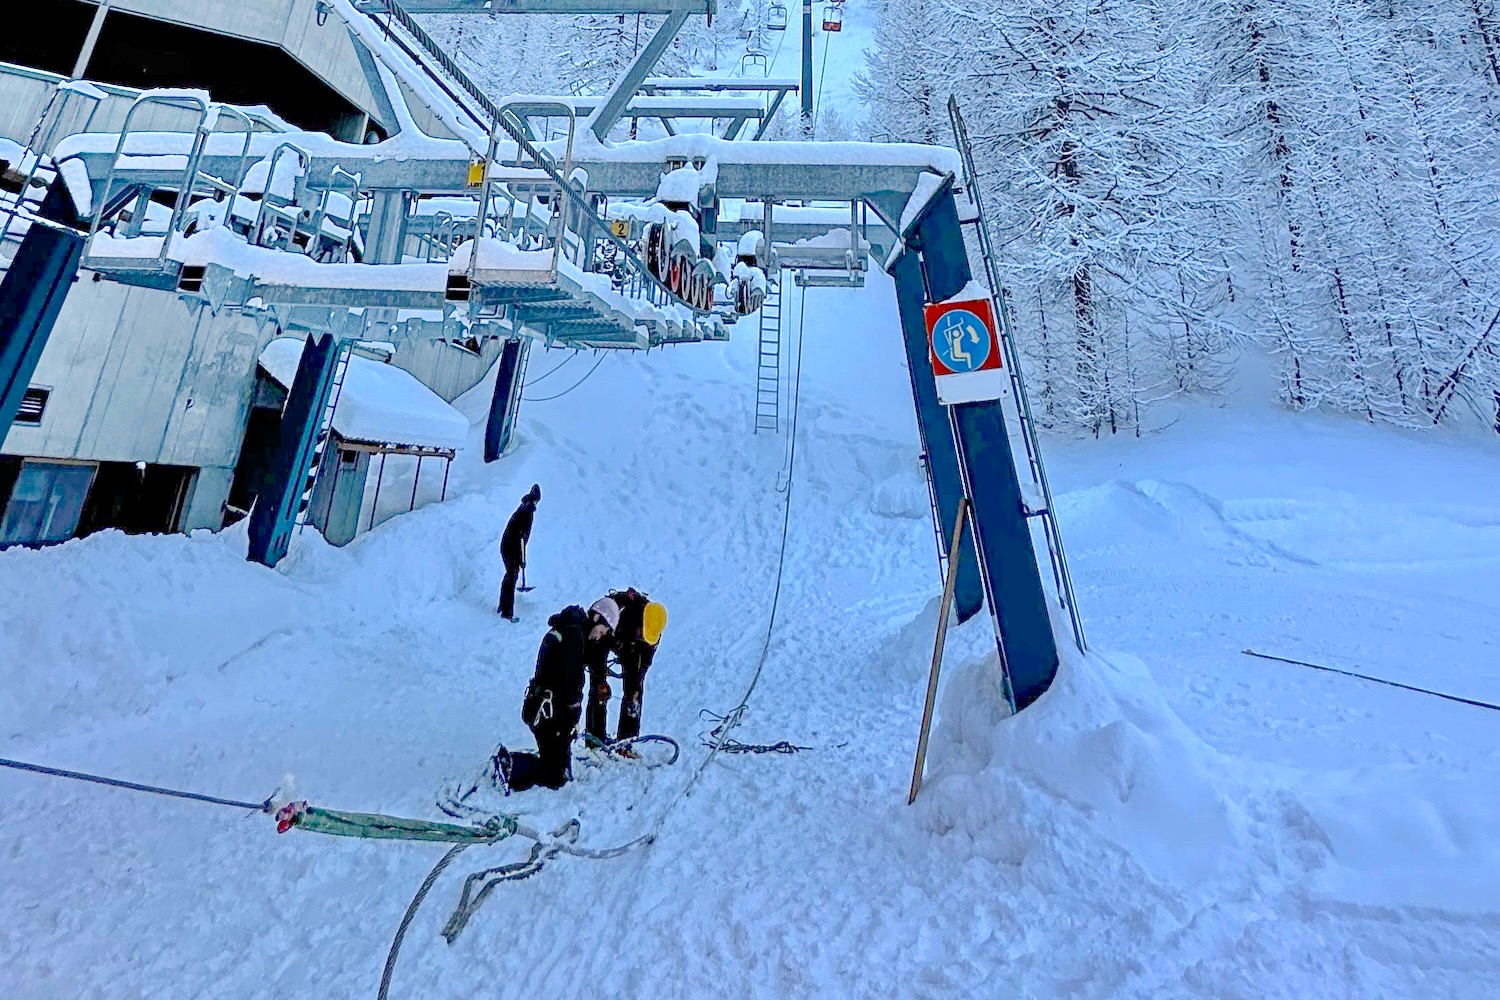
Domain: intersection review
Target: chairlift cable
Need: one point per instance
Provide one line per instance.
(553, 370)
(545, 399)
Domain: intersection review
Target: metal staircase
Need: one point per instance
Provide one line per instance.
(768, 363)
(1024, 425)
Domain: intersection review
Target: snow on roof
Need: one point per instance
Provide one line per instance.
(973, 290)
(378, 403)
(927, 188)
(220, 246)
(82, 87)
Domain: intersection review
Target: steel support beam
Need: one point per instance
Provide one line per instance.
(886, 178)
(90, 41)
(31, 296)
(1007, 553)
(938, 451)
(506, 402)
(635, 74)
(275, 511)
(387, 232)
(807, 63)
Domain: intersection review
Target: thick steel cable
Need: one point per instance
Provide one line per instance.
(411, 911)
(133, 786)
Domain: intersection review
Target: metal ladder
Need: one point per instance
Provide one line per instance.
(1023, 421)
(768, 364)
(325, 431)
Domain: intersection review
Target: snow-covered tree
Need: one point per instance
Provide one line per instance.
(1100, 173)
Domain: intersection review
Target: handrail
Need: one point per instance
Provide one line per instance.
(184, 102)
(641, 274)
(395, 12)
(54, 107)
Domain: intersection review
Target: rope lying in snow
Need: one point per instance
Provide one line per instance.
(562, 841)
(133, 786)
(730, 720)
(1375, 680)
(727, 745)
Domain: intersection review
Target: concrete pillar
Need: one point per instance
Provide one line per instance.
(81, 66)
(205, 503)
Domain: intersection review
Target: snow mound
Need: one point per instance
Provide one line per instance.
(1101, 758)
(903, 495)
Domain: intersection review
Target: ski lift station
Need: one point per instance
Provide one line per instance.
(254, 249)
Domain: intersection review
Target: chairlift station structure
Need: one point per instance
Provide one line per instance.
(417, 213)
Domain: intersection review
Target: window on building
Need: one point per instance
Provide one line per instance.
(136, 498)
(45, 502)
(33, 405)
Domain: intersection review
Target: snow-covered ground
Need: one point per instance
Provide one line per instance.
(1174, 818)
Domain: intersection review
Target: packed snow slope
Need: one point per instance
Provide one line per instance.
(1173, 819)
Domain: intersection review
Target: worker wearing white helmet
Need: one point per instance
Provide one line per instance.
(635, 623)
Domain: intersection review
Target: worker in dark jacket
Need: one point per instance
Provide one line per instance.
(553, 704)
(513, 550)
(635, 625)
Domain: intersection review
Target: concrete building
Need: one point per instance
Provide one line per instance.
(142, 412)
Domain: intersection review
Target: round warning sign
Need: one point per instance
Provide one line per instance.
(962, 337)
(961, 341)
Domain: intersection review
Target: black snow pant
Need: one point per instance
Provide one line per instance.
(551, 765)
(508, 583)
(633, 669)
(596, 721)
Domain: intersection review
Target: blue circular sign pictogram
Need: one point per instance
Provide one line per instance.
(961, 341)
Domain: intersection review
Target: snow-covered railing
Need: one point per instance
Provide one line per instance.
(579, 236)
(393, 12)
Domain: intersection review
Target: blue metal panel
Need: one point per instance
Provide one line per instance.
(945, 260)
(275, 512)
(1007, 556)
(937, 437)
(506, 402)
(32, 295)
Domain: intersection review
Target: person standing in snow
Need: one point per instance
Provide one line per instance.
(513, 544)
(635, 624)
(552, 706)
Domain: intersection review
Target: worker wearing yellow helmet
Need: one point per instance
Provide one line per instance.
(636, 624)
